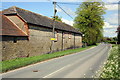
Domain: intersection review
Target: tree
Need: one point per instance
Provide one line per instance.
(57, 18)
(118, 30)
(90, 22)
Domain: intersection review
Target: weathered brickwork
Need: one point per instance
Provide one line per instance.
(78, 40)
(12, 50)
(39, 43)
(36, 40)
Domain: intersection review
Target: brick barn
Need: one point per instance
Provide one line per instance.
(25, 34)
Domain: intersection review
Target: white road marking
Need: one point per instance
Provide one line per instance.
(47, 76)
(31, 65)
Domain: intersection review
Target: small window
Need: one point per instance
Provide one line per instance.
(15, 40)
(69, 36)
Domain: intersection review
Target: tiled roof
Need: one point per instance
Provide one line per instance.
(8, 28)
(37, 19)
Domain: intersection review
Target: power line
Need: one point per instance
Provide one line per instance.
(64, 11)
(69, 3)
(75, 4)
(108, 3)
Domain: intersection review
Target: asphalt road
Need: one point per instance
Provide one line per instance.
(78, 65)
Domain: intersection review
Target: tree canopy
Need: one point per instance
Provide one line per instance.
(57, 18)
(90, 21)
(118, 30)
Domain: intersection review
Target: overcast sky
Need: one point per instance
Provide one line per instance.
(45, 8)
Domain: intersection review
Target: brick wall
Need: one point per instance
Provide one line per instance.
(39, 43)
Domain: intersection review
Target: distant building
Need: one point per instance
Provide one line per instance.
(29, 34)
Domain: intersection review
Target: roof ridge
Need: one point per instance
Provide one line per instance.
(42, 15)
(40, 19)
(29, 11)
(15, 8)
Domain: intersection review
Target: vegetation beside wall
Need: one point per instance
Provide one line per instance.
(20, 62)
(112, 40)
(111, 68)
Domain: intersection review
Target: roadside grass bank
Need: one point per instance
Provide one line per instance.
(21, 62)
(112, 67)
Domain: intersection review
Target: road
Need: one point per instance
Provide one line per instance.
(78, 65)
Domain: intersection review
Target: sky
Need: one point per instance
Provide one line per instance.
(46, 8)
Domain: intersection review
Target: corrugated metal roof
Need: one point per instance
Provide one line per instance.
(37, 19)
(8, 28)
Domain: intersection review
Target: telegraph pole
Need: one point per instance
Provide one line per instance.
(53, 31)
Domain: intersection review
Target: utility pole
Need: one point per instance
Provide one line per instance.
(53, 31)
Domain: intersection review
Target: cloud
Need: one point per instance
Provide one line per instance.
(111, 0)
(110, 33)
(25, 0)
(109, 26)
(85, 0)
(55, 0)
(110, 30)
(113, 18)
(68, 0)
(68, 10)
(59, 10)
(68, 21)
(111, 6)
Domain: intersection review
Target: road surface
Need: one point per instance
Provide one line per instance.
(78, 65)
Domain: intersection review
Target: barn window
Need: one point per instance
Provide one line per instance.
(69, 35)
(15, 40)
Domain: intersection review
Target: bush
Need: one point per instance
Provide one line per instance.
(111, 68)
(20, 62)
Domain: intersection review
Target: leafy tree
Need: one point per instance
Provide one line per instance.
(118, 30)
(115, 38)
(111, 40)
(119, 37)
(57, 18)
(89, 21)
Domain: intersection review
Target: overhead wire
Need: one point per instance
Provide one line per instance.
(74, 4)
(107, 3)
(64, 11)
(69, 3)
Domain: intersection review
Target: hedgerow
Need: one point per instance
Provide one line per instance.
(112, 67)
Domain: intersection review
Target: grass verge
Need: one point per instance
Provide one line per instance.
(21, 62)
(111, 68)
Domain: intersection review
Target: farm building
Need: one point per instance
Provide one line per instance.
(25, 34)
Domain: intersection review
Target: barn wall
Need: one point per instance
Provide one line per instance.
(11, 49)
(78, 40)
(38, 43)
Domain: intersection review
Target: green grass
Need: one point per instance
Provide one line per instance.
(20, 62)
(111, 68)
